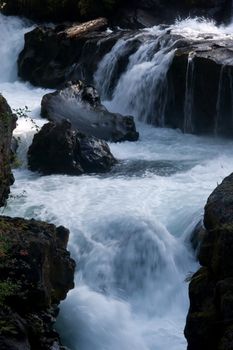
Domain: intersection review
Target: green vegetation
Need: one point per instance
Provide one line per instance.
(8, 288)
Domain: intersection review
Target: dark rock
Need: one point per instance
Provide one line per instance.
(204, 70)
(197, 236)
(118, 11)
(195, 94)
(210, 319)
(7, 124)
(36, 272)
(59, 149)
(81, 104)
(52, 57)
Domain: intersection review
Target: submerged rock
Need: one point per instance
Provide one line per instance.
(7, 124)
(59, 149)
(210, 319)
(81, 104)
(36, 273)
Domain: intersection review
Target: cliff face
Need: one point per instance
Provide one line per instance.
(210, 319)
(36, 272)
(7, 124)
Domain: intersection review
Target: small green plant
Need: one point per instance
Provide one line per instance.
(23, 113)
(7, 289)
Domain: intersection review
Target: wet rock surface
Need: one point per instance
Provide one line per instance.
(197, 86)
(200, 88)
(53, 56)
(81, 104)
(59, 149)
(7, 124)
(36, 273)
(209, 322)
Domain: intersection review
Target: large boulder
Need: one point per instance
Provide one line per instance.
(210, 319)
(36, 272)
(81, 104)
(7, 124)
(59, 149)
(53, 56)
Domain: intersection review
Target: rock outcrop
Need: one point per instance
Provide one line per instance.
(199, 98)
(195, 94)
(53, 56)
(59, 149)
(81, 104)
(210, 319)
(7, 124)
(36, 272)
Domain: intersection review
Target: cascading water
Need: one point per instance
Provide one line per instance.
(140, 72)
(142, 88)
(129, 228)
(188, 103)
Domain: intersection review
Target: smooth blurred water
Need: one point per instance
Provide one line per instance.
(129, 229)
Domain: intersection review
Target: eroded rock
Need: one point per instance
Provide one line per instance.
(81, 104)
(210, 319)
(7, 124)
(53, 56)
(59, 149)
(36, 273)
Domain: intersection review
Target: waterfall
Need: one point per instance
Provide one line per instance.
(139, 77)
(130, 228)
(189, 90)
(219, 101)
(142, 86)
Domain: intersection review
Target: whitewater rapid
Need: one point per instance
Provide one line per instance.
(129, 229)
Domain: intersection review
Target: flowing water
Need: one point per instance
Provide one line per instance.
(129, 229)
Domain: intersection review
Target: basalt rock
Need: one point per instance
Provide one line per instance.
(199, 98)
(53, 56)
(36, 272)
(81, 104)
(210, 319)
(59, 149)
(195, 93)
(7, 124)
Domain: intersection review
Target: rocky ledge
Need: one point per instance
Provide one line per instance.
(7, 124)
(194, 94)
(210, 319)
(36, 272)
(52, 56)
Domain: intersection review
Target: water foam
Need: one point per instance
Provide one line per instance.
(129, 232)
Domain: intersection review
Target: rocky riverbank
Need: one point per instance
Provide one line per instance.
(36, 271)
(7, 124)
(210, 319)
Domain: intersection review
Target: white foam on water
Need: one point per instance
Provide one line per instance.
(128, 233)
